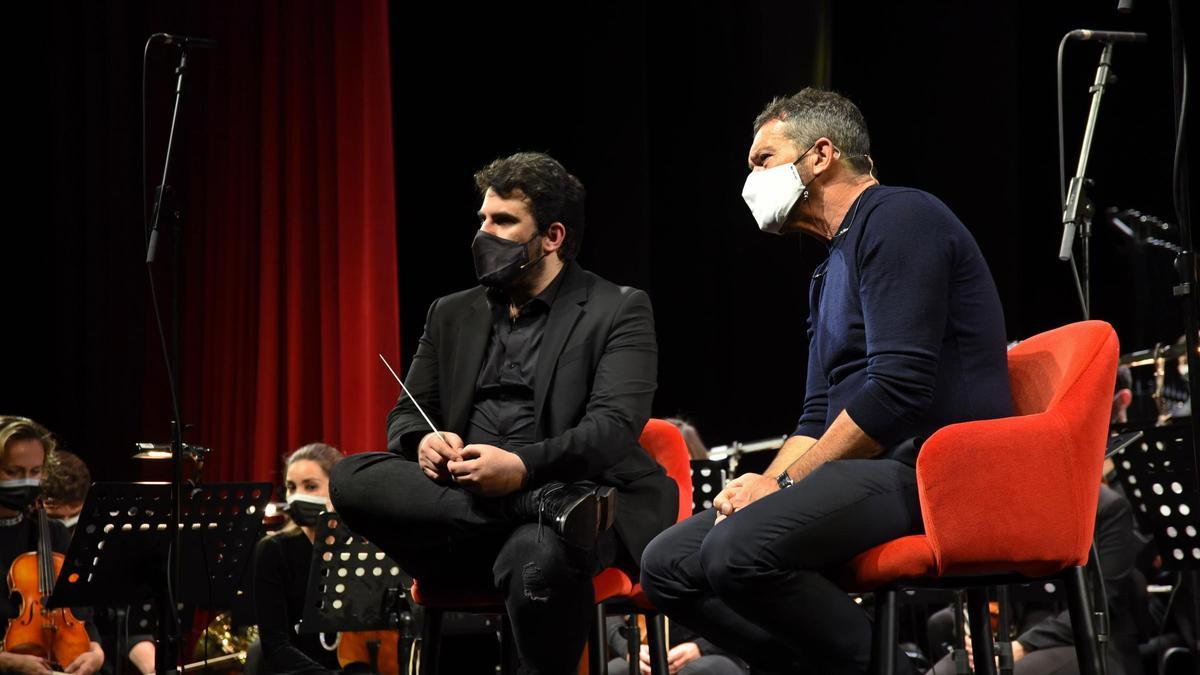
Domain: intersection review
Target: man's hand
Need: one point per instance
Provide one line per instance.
(488, 470)
(88, 662)
(433, 454)
(24, 664)
(741, 492)
(679, 656)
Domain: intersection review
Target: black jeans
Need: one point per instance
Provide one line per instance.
(756, 583)
(442, 534)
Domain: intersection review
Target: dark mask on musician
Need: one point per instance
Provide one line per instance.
(498, 261)
(19, 494)
(305, 510)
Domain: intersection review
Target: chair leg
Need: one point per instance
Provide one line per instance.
(597, 643)
(959, 653)
(509, 661)
(1079, 603)
(1003, 638)
(656, 637)
(981, 631)
(635, 645)
(885, 637)
(431, 641)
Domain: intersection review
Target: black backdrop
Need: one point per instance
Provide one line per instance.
(651, 106)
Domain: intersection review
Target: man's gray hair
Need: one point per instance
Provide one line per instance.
(813, 113)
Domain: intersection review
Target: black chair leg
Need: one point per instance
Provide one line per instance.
(635, 645)
(656, 638)
(1079, 603)
(598, 643)
(509, 661)
(431, 641)
(981, 631)
(1004, 640)
(959, 652)
(885, 637)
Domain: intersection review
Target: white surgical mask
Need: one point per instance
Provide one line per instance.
(771, 194)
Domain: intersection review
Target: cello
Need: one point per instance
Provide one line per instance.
(56, 635)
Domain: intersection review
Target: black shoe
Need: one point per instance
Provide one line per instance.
(577, 512)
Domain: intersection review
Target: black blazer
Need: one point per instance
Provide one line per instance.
(594, 384)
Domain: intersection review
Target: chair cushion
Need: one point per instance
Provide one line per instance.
(903, 558)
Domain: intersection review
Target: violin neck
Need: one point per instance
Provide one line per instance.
(45, 550)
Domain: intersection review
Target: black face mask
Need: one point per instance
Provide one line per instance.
(303, 512)
(19, 494)
(498, 261)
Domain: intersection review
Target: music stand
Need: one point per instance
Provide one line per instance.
(119, 553)
(708, 479)
(355, 586)
(1159, 476)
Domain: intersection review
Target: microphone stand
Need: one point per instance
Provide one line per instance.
(1078, 210)
(166, 660)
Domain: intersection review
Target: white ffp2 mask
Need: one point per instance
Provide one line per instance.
(771, 194)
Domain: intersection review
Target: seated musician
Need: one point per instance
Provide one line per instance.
(281, 564)
(25, 448)
(540, 381)
(64, 487)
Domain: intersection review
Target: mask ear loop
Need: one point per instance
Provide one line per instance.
(804, 195)
(535, 260)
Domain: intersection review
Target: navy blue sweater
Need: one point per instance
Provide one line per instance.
(906, 332)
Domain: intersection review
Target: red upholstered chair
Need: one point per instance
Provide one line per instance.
(1009, 500)
(666, 445)
(663, 441)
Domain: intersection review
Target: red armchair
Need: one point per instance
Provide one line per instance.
(1009, 500)
(666, 445)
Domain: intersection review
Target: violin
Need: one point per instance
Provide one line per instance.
(56, 635)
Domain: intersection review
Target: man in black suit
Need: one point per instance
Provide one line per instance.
(539, 382)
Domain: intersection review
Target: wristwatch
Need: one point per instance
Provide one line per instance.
(784, 480)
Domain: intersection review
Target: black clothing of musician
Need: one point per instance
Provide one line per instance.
(281, 564)
(906, 334)
(547, 378)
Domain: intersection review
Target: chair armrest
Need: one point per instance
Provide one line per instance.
(1003, 490)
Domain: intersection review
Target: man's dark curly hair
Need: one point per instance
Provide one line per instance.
(554, 194)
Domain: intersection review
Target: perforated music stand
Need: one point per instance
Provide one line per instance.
(1158, 473)
(119, 552)
(1159, 477)
(708, 479)
(120, 544)
(355, 586)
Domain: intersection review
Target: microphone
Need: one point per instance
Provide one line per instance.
(1107, 35)
(184, 40)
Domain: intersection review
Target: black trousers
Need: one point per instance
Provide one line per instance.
(756, 583)
(444, 535)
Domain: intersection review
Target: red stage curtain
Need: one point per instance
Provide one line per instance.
(290, 279)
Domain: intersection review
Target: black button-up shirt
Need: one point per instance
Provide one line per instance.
(503, 413)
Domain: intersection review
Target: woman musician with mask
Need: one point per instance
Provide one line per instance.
(25, 448)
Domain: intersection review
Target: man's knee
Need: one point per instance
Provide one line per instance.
(730, 560)
(659, 560)
(662, 575)
(350, 481)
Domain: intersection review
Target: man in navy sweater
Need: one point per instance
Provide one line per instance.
(906, 335)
